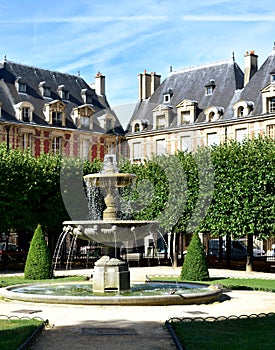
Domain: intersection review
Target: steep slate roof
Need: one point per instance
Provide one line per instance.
(189, 84)
(32, 77)
(252, 91)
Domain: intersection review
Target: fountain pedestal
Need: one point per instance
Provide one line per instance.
(111, 274)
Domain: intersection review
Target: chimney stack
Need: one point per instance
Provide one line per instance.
(147, 83)
(100, 84)
(250, 65)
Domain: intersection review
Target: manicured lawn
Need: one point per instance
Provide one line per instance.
(233, 283)
(12, 280)
(243, 334)
(13, 333)
(240, 334)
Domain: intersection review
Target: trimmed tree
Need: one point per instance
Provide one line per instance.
(39, 263)
(195, 267)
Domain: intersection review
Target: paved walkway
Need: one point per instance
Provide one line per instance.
(132, 327)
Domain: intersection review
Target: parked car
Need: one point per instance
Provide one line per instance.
(13, 253)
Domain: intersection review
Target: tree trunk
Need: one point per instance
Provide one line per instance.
(228, 251)
(175, 249)
(249, 258)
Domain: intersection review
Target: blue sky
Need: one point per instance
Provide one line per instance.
(123, 38)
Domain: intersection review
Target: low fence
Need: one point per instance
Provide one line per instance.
(180, 346)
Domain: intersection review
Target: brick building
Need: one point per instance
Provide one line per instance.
(47, 111)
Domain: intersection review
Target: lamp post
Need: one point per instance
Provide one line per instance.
(7, 127)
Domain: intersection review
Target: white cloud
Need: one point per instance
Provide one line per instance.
(229, 18)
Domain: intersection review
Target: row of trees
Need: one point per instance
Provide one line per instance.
(228, 189)
(30, 193)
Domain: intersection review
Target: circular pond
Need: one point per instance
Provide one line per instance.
(150, 293)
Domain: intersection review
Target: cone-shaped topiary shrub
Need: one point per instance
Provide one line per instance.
(194, 267)
(39, 263)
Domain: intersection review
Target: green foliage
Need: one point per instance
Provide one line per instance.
(195, 265)
(39, 263)
(245, 333)
(14, 332)
(243, 202)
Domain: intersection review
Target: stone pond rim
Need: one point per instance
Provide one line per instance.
(212, 294)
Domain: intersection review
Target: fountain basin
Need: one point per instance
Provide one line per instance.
(110, 231)
(173, 295)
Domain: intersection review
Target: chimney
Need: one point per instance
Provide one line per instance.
(155, 82)
(100, 84)
(250, 65)
(147, 84)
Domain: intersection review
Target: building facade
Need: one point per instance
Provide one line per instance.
(202, 106)
(52, 112)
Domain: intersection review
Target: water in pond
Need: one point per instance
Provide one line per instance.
(137, 289)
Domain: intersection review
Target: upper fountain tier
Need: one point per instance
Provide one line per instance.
(110, 179)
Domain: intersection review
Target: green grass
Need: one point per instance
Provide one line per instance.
(241, 334)
(233, 283)
(12, 280)
(13, 333)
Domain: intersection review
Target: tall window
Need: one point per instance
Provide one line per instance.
(26, 114)
(137, 151)
(241, 134)
(160, 147)
(212, 139)
(184, 117)
(85, 122)
(26, 141)
(85, 149)
(56, 145)
(270, 131)
(185, 143)
(271, 106)
(57, 118)
(160, 121)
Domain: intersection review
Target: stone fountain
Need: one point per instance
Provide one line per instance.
(110, 272)
(111, 279)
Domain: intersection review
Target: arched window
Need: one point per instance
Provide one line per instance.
(240, 111)
(136, 127)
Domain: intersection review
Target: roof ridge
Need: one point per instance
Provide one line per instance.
(35, 67)
(200, 66)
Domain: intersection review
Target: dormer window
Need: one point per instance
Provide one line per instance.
(20, 85)
(24, 111)
(242, 108)
(87, 96)
(109, 123)
(186, 112)
(63, 93)
(137, 125)
(57, 118)
(213, 113)
(55, 113)
(26, 114)
(44, 89)
(268, 96)
(83, 116)
(209, 88)
(162, 116)
(240, 111)
(160, 122)
(167, 96)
